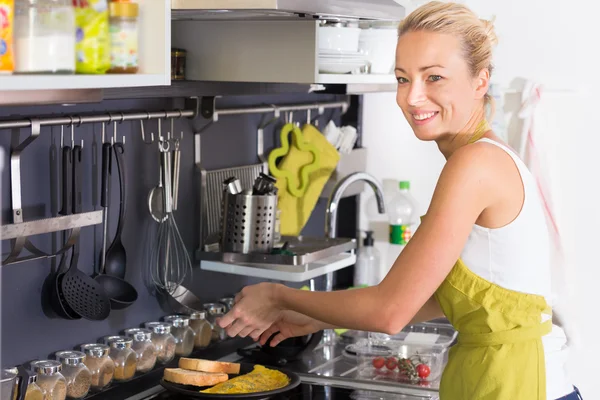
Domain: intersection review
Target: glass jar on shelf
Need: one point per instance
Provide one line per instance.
(50, 379)
(123, 356)
(44, 37)
(77, 375)
(163, 340)
(214, 311)
(184, 335)
(202, 329)
(143, 347)
(123, 37)
(101, 366)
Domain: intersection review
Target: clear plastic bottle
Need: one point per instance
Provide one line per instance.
(44, 36)
(402, 215)
(368, 263)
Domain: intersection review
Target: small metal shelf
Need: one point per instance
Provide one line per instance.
(306, 250)
(312, 257)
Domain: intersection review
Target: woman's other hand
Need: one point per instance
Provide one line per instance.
(255, 310)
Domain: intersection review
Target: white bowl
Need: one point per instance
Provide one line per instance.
(338, 38)
(379, 46)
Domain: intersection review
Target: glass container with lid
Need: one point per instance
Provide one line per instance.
(50, 379)
(143, 347)
(228, 302)
(123, 37)
(101, 366)
(78, 376)
(33, 392)
(163, 340)
(44, 35)
(8, 383)
(216, 310)
(184, 335)
(123, 356)
(202, 329)
(12, 383)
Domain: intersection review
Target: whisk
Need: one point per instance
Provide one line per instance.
(171, 262)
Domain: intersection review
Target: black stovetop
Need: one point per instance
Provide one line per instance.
(304, 391)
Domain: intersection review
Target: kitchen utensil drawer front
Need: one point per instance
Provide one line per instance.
(248, 223)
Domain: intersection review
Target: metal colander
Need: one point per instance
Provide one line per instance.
(248, 223)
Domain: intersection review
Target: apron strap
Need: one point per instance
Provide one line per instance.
(505, 337)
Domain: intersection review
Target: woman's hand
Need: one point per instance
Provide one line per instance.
(255, 310)
(290, 324)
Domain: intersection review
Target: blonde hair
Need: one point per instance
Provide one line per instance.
(477, 36)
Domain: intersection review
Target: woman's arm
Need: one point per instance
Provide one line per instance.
(464, 190)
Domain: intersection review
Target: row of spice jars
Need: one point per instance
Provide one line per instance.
(75, 373)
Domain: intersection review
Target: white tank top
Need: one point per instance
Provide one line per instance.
(517, 257)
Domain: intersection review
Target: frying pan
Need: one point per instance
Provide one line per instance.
(194, 392)
(80, 292)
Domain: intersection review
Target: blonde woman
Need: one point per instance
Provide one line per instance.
(481, 254)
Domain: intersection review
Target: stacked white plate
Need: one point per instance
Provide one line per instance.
(341, 61)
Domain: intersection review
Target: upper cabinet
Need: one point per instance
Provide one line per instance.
(325, 42)
(154, 54)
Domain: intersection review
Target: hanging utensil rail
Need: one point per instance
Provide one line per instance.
(105, 117)
(209, 110)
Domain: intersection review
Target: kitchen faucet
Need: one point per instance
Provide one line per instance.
(334, 200)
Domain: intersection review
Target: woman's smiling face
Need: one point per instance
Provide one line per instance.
(437, 91)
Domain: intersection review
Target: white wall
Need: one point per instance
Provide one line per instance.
(556, 45)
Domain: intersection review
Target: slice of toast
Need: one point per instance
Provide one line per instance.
(195, 364)
(194, 378)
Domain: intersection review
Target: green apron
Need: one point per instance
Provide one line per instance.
(499, 354)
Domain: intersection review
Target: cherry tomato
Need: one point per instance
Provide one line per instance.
(378, 362)
(423, 371)
(391, 363)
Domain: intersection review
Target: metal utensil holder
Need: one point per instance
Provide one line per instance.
(248, 223)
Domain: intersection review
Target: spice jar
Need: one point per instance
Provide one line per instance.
(216, 310)
(101, 366)
(123, 356)
(202, 329)
(33, 392)
(178, 59)
(50, 379)
(163, 340)
(78, 376)
(227, 302)
(123, 37)
(44, 36)
(184, 335)
(143, 347)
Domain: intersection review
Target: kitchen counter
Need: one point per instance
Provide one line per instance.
(141, 386)
(332, 365)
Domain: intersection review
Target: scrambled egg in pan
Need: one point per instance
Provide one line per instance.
(261, 379)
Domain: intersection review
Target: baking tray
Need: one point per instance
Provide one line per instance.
(306, 250)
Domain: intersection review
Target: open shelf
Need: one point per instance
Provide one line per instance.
(154, 59)
(284, 272)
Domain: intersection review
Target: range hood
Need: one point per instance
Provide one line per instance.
(379, 10)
